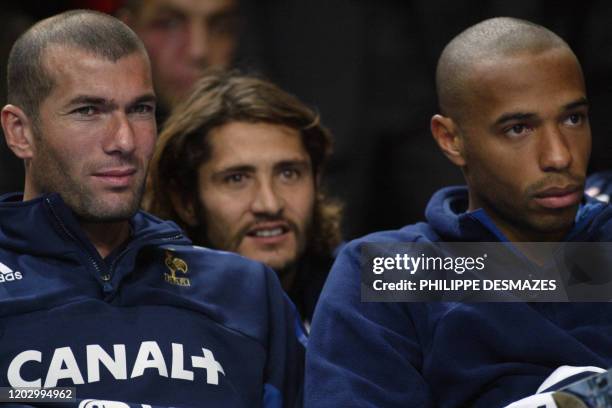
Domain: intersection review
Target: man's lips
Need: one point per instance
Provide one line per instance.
(269, 232)
(116, 177)
(559, 197)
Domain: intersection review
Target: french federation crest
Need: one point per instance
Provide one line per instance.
(177, 267)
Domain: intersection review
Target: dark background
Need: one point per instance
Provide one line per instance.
(368, 68)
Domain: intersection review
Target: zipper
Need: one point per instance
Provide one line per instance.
(108, 288)
(173, 237)
(106, 275)
(91, 258)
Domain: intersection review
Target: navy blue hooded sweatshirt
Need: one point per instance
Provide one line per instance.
(160, 322)
(443, 354)
(602, 183)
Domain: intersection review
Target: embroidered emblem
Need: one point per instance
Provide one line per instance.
(176, 265)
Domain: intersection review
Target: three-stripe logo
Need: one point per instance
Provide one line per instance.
(8, 275)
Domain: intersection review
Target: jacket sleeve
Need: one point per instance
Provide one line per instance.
(361, 354)
(286, 348)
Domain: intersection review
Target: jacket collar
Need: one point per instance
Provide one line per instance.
(46, 225)
(447, 214)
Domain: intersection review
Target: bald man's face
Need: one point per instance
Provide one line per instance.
(526, 142)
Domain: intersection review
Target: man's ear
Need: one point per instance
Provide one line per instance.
(447, 135)
(18, 131)
(185, 208)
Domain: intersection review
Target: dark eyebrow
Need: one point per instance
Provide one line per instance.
(514, 116)
(144, 99)
(520, 116)
(242, 168)
(98, 101)
(87, 100)
(577, 104)
(292, 163)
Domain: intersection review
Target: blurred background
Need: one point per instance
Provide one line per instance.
(368, 68)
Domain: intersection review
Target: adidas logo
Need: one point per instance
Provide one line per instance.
(7, 274)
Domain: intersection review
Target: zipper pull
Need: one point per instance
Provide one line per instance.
(106, 285)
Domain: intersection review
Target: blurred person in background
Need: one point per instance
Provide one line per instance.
(183, 37)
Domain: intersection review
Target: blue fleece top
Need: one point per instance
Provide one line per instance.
(442, 354)
(601, 181)
(160, 322)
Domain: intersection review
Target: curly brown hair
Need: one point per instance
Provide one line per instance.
(218, 98)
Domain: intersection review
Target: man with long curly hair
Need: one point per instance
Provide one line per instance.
(239, 166)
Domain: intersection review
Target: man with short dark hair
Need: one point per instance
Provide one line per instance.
(95, 294)
(514, 118)
(239, 166)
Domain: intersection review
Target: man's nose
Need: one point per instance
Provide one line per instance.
(121, 135)
(266, 199)
(198, 38)
(555, 153)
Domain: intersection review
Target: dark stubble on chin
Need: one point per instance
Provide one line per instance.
(92, 210)
(201, 236)
(557, 224)
(51, 176)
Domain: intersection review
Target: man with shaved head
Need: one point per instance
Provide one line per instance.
(498, 82)
(514, 118)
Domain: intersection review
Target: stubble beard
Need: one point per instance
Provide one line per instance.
(232, 243)
(51, 175)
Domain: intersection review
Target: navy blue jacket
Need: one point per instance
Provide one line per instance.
(599, 185)
(159, 322)
(448, 354)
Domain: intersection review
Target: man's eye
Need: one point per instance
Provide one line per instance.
(575, 119)
(517, 130)
(168, 22)
(86, 111)
(235, 179)
(290, 174)
(143, 109)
